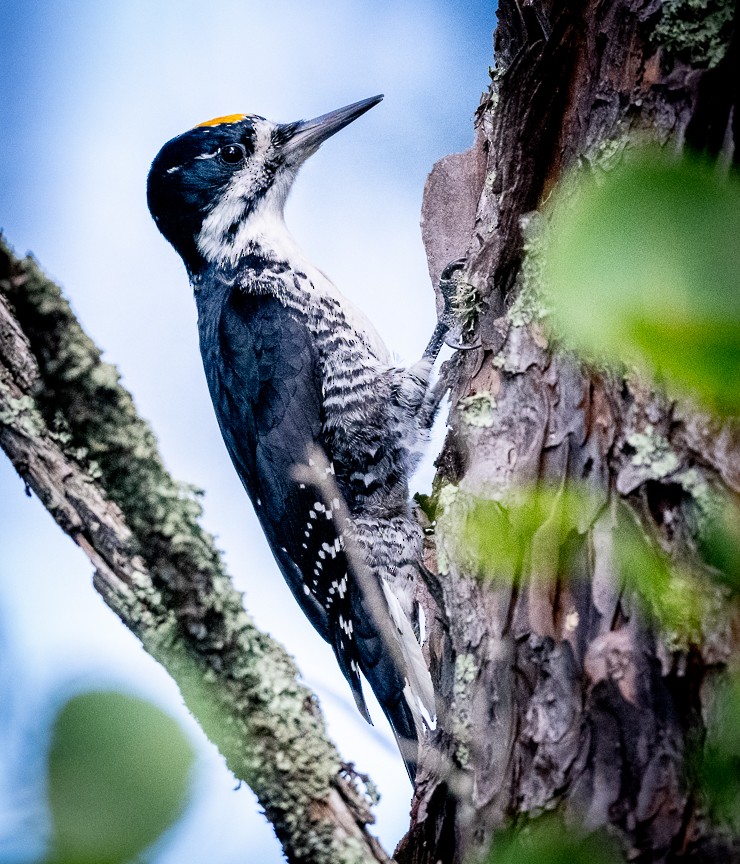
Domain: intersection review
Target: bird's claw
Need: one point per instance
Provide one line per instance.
(449, 288)
(464, 346)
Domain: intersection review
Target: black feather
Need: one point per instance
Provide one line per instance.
(261, 367)
(261, 371)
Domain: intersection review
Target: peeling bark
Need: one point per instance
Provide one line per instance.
(556, 688)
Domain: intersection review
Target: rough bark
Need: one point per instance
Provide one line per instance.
(73, 435)
(556, 690)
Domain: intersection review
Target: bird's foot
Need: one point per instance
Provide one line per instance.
(460, 308)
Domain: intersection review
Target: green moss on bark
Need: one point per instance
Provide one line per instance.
(241, 685)
(696, 31)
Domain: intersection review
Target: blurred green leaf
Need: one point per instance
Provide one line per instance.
(720, 545)
(670, 592)
(721, 766)
(119, 772)
(427, 504)
(538, 532)
(490, 539)
(644, 266)
(546, 841)
(533, 529)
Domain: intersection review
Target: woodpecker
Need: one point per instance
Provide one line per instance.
(301, 382)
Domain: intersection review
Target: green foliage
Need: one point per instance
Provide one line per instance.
(720, 769)
(427, 505)
(119, 774)
(644, 266)
(720, 544)
(670, 592)
(538, 533)
(546, 841)
(497, 539)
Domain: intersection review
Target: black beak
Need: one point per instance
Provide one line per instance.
(304, 137)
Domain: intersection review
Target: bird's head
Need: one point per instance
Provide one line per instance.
(208, 184)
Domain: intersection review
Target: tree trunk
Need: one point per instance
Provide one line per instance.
(555, 689)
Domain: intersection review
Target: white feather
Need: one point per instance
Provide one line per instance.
(419, 690)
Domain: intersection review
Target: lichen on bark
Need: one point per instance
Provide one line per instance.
(73, 433)
(698, 31)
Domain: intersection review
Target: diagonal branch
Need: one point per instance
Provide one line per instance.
(73, 434)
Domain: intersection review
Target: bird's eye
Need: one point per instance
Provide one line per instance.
(233, 154)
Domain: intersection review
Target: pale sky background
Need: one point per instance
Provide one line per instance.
(90, 91)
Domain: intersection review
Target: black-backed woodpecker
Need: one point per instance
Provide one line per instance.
(300, 381)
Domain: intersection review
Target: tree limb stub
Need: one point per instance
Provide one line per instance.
(73, 434)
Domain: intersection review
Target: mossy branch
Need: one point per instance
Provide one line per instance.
(73, 434)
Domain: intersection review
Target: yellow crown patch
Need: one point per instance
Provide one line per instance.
(227, 118)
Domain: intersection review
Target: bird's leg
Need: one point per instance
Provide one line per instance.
(448, 289)
(448, 321)
(431, 352)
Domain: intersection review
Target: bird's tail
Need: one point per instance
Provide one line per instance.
(419, 690)
(393, 663)
(387, 650)
(416, 711)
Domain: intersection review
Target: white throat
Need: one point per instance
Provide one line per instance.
(264, 230)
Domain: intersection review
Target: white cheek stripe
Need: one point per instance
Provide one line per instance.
(265, 228)
(243, 186)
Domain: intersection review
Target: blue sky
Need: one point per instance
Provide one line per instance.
(90, 93)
